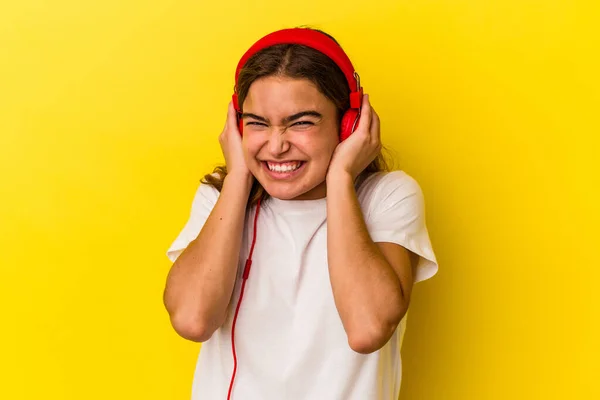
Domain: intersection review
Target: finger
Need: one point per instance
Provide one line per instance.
(375, 127)
(231, 121)
(229, 105)
(364, 122)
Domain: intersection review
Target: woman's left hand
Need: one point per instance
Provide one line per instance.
(355, 153)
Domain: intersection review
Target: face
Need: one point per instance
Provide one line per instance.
(290, 133)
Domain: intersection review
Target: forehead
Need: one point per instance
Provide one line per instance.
(283, 96)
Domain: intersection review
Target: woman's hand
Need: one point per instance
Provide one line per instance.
(354, 154)
(231, 146)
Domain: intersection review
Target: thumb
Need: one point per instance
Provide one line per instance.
(232, 114)
(364, 121)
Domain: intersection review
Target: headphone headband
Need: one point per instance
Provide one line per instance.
(317, 41)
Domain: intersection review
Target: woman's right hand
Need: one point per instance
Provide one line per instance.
(231, 145)
(200, 283)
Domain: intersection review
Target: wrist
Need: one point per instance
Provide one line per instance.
(239, 181)
(335, 177)
(338, 180)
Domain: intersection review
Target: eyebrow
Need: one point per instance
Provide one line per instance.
(308, 113)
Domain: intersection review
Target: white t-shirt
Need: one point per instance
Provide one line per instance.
(290, 342)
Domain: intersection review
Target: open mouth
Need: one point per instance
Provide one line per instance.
(283, 169)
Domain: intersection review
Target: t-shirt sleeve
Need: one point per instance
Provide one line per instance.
(395, 213)
(205, 199)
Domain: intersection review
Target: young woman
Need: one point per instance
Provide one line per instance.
(296, 266)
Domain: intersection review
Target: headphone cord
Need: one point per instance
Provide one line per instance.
(237, 309)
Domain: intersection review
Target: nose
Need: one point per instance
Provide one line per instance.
(278, 143)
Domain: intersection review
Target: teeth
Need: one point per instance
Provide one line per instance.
(286, 167)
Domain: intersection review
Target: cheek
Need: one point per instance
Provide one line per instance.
(325, 143)
(319, 150)
(329, 139)
(250, 147)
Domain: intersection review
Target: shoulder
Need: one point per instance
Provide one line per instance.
(205, 195)
(391, 196)
(393, 185)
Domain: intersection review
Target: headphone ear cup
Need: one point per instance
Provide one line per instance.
(240, 124)
(348, 121)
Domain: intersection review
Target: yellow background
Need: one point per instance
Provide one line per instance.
(109, 113)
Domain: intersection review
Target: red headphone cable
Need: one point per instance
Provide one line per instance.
(237, 309)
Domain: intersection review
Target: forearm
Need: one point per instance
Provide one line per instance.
(367, 292)
(201, 281)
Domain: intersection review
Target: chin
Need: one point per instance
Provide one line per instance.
(293, 190)
(280, 191)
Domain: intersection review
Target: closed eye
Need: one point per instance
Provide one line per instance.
(305, 123)
(299, 123)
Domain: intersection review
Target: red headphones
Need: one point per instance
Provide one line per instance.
(320, 42)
